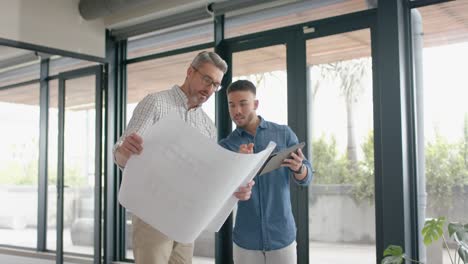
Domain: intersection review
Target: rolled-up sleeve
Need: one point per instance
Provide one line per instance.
(142, 118)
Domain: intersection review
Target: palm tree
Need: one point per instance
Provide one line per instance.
(350, 76)
(320, 73)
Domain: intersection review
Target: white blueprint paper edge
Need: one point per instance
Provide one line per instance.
(183, 182)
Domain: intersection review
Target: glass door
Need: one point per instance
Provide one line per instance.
(341, 199)
(261, 59)
(80, 174)
(317, 79)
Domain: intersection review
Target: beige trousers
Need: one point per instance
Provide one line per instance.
(153, 247)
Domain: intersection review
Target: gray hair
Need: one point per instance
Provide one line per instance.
(209, 57)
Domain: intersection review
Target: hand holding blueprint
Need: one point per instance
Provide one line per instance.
(183, 182)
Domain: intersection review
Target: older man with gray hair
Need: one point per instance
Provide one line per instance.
(203, 78)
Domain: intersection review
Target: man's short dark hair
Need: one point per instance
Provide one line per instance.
(242, 85)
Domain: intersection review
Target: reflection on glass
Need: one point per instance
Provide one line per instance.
(341, 206)
(19, 159)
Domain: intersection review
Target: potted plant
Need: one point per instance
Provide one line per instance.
(433, 231)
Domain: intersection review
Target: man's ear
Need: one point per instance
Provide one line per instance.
(256, 104)
(189, 71)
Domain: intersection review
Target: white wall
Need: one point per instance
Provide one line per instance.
(51, 23)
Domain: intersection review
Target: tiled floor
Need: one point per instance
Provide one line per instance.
(9, 259)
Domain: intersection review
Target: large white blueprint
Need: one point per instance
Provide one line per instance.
(183, 182)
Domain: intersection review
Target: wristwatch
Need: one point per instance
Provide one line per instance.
(300, 170)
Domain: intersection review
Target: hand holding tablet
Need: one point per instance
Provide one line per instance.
(276, 159)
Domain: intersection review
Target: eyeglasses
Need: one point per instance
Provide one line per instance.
(208, 81)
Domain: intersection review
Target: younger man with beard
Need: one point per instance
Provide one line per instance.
(264, 231)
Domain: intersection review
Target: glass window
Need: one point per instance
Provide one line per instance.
(19, 159)
(63, 64)
(22, 74)
(440, 59)
(341, 198)
(266, 69)
(17, 65)
(79, 164)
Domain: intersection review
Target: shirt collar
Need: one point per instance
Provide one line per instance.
(263, 125)
(182, 97)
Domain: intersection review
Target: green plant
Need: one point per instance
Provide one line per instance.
(330, 166)
(19, 173)
(433, 231)
(25, 173)
(363, 176)
(333, 168)
(445, 169)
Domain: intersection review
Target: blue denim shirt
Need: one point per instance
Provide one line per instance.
(265, 221)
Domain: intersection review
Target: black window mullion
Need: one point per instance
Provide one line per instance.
(223, 238)
(60, 171)
(120, 123)
(110, 196)
(393, 153)
(297, 116)
(43, 158)
(98, 168)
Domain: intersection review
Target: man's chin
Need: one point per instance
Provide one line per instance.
(239, 124)
(200, 101)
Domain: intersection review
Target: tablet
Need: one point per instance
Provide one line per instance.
(276, 159)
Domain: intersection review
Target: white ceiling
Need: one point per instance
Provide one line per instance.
(8, 53)
(123, 18)
(156, 9)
